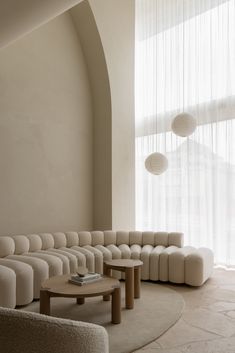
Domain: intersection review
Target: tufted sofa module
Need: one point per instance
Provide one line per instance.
(27, 260)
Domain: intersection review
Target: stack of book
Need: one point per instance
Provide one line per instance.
(88, 278)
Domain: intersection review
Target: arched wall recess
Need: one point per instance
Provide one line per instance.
(112, 81)
(85, 24)
(116, 25)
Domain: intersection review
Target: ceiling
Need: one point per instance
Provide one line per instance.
(19, 17)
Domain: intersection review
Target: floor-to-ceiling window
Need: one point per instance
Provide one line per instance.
(185, 61)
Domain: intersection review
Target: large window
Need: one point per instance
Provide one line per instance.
(185, 61)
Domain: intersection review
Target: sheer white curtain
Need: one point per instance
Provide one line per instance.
(185, 61)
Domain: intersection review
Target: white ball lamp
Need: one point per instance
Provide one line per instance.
(156, 163)
(184, 125)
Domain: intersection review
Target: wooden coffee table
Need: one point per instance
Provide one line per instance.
(59, 286)
(132, 269)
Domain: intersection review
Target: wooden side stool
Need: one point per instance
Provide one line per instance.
(132, 269)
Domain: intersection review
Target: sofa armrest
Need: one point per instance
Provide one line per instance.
(199, 266)
(30, 332)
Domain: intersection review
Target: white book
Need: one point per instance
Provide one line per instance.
(86, 278)
(84, 283)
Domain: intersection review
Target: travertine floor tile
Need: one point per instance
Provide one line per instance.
(152, 346)
(231, 314)
(147, 350)
(214, 346)
(208, 321)
(221, 294)
(182, 333)
(221, 306)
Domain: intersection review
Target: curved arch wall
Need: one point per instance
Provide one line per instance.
(116, 24)
(113, 98)
(102, 114)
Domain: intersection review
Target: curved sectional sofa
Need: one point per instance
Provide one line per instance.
(27, 260)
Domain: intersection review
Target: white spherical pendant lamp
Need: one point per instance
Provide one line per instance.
(156, 163)
(184, 125)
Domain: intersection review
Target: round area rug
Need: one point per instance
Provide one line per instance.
(155, 312)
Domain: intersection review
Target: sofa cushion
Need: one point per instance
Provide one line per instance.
(7, 246)
(154, 261)
(59, 240)
(40, 271)
(98, 256)
(72, 239)
(107, 254)
(110, 237)
(122, 238)
(176, 239)
(97, 238)
(47, 241)
(21, 244)
(177, 264)
(161, 238)
(90, 258)
(73, 263)
(125, 250)
(135, 238)
(54, 263)
(116, 252)
(35, 242)
(84, 238)
(81, 258)
(148, 238)
(8, 287)
(135, 251)
(24, 281)
(164, 263)
(145, 258)
(64, 259)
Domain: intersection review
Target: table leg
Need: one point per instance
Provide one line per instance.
(116, 306)
(137, 275)
(107, 272)
(129, 288)
(44, 302)
(80, 301)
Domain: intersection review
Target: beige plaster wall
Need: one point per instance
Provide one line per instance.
(45, 132)
(115, 20)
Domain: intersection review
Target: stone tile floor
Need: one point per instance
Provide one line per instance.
(207, 324)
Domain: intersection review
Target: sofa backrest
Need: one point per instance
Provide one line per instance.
(19, 244)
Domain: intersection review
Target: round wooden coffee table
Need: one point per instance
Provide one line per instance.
(132, 269)
(59, 286)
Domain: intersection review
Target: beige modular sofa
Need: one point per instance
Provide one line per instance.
(23, 332)
(27, 260)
